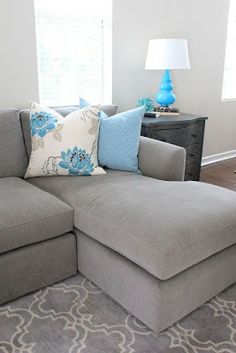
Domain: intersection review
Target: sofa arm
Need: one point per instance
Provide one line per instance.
(161, 160)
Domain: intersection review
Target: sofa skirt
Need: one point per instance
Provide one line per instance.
(35, 266)
(157, 303)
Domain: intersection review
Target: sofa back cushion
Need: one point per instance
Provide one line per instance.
(64, 111)
(13, 157)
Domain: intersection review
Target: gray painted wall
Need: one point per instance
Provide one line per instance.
(202, 22)
(18, 64)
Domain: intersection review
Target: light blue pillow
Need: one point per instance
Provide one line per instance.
(84, 104)
(119, 140)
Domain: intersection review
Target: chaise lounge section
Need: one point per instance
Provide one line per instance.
(159, 246)
(147, 242)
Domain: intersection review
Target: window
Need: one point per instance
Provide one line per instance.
(229, 83)
(74, 50)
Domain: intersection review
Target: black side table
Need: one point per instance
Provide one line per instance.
(185, 130)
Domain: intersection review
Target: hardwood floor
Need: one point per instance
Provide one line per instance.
(221, 174)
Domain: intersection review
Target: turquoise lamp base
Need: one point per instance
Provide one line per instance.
(165, 96)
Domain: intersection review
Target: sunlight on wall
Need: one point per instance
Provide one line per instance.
(229, 83)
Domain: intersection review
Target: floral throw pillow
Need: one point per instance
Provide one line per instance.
(64, 146)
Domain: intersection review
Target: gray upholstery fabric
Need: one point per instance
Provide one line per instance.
(36, 266)
(24, 115)
(157, 303)
(164, 227)
(29, 215)
(110, 109)
(161, 160)
(13, 158)
(25, 123)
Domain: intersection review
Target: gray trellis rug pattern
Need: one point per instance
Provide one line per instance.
(75, 316)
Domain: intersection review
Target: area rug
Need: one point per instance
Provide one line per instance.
(75, 316)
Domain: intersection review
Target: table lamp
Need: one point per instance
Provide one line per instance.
(167, 54)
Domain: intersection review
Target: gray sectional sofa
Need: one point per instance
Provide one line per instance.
(159, 246)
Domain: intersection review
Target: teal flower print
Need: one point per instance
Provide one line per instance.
(42, 123)
(77, 161)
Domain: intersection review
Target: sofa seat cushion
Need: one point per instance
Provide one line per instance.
(164, 227)
(29, 215)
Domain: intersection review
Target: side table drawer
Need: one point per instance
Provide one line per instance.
(182, 137)
(193, 154)
(192, 172)
(185, 130)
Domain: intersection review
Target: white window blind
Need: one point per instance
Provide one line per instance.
(229, 83)
(74, 50)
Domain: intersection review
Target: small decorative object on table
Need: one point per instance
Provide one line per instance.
(152, 114)
(148, 102)
(167, 111)
(167, 54)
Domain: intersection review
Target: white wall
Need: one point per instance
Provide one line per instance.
(204, 24)
(18, 65)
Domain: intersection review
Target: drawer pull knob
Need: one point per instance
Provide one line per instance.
(193, 135)
(191, 155)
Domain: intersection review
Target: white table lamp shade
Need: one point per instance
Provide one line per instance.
(167, 54)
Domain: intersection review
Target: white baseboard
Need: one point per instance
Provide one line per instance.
(219, 157)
